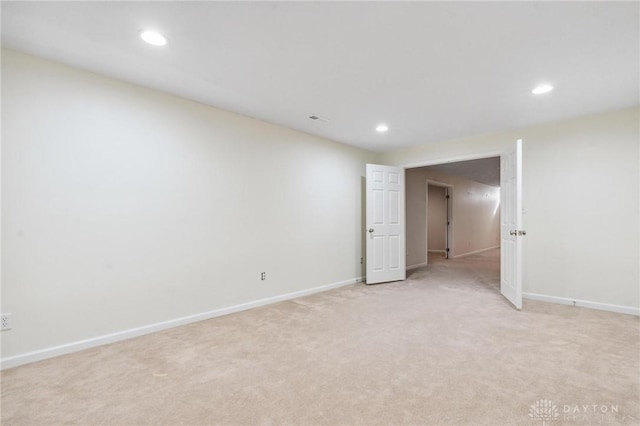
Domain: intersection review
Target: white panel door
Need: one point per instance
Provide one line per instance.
(385, 227)
(511, 232)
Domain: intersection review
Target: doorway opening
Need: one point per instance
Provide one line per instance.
(458, 213)
(439, 219)
(393, 244)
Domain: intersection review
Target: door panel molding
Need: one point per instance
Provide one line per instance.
(385, 224)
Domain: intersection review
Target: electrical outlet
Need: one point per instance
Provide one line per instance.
(5, 322)
(263, 276)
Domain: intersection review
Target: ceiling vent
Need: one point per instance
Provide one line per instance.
(318, 118)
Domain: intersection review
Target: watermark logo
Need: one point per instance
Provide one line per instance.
(544, 410)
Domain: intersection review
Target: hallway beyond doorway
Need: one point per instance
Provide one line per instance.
(483, 267)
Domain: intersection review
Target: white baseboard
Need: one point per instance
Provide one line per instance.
(436, 251)
(476, 252)
(583, 303)
(419, 265)
(54, 351)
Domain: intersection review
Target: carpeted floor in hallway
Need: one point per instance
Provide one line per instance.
(441, 348)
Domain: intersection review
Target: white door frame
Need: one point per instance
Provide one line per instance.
(478, 156)
(449, 233)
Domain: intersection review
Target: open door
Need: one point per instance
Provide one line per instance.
(447, 236)
(385, 226)
(511, 232)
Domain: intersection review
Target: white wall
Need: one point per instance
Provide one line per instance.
(475, 218)
(124, 207)
(581, 203)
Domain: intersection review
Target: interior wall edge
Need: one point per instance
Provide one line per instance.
(416, 266)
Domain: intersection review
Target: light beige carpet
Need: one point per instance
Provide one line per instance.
(442, 348)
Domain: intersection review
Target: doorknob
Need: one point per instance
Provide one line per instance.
(513, 232)
(370, 230)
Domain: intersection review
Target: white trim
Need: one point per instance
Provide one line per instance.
(416, 266)
(436, 183)
(475, 252)
(66, 348)
(436, 251)
(583, 303)
(478, 156)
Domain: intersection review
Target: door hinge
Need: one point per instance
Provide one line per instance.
(448, 197)
(447, 249)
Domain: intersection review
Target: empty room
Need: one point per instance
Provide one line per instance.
(320, 213)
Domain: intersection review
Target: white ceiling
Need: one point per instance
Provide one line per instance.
(431, 70)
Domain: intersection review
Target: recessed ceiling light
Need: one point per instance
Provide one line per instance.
(382, 128)
(153, 37)
(543, 88)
